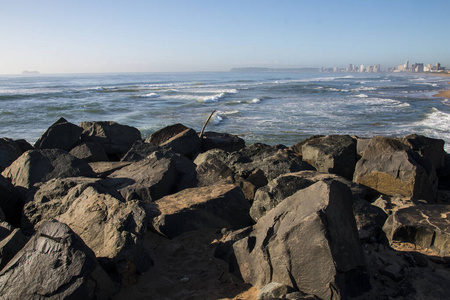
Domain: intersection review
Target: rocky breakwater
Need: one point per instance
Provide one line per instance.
(97, 212)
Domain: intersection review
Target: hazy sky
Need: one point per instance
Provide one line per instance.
(56, 36)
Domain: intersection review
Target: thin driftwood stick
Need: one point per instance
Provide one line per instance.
(204, 124)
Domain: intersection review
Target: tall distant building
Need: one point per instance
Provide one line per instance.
(407, 65)
(361, 69)
(369, 69)
(376, 69)
(350, 68)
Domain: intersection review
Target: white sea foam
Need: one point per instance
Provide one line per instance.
(362, 96)
(256, 100)
(150, 95)
(217, 119)
(213, 98)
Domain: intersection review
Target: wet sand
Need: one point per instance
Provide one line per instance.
(444, 93)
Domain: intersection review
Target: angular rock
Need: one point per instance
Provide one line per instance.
(42, 165)
(390, 167)
(308, 242)
(90, 152)
(272, 160)
(286, 185)
(444, 174)
(432, 150)
(160, 174)
(10, 203)
(390, 204)
(186, 143)
(54, 198)
(105, 168)
(223, 141)
(110, 226)
(369, 220)
(11, 245)
(217, 206)
(161, 136)
(113, 229)
(139, 151)
(213, 171)
(23, 145)
(115, 138)
(9, 152)
(426, 226)
(332, 154)
(5, 230)
(297, 148)
(58, 265)
(60, 135)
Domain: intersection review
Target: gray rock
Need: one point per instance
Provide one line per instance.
(9, 152)
(369, 220)
(286, 185)
(90, 152)
(110, 226)
(213, 171)
(11, 245)
(160, 174)
(177, 138)
(164, 134)
(224, 141)
(58, 265)
(115, 138)
(431, 150)
(54, 198)
(332, 154)
(5, 230)
(426, 226)
(105, 168)
(139, 151)
(60, 135)
(390, 167)
(42, 165)
(308, 242)
(297, 148)
(204, 207)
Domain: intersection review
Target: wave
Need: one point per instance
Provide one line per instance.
(362, 96)
(255, 101)
(446, 102)
(150, 95)
(217, 119)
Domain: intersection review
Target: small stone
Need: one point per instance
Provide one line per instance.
(184, 279)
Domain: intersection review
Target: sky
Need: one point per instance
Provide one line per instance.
(96, 36)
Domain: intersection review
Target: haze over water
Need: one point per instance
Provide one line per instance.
(269, 108)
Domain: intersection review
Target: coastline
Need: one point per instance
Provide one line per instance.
(443, 93)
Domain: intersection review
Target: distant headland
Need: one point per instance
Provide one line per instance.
(30, 73)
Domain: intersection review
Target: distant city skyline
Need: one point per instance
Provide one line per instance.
(52, 36)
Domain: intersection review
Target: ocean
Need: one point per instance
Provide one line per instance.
(271, 108)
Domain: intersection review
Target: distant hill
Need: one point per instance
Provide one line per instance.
(30, 72)
(265, 70)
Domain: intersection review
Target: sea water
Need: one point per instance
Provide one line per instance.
(271, 108)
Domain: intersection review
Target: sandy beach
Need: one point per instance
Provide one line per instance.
(444, 93)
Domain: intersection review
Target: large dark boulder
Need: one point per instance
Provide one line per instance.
(280, 188)
(60, 135)
(332, 154)
(109, 225)
(164, 134)
(90, 152)
(391, 167)
(115, 138)
(160, 174)
(177, 138)
(217, 206)
(273, 161)
(425, 225)
(9, 152)
(224, 141)
(44, 164)
(431, 150)
(308, 242)
(139, 151)
(55, 264)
